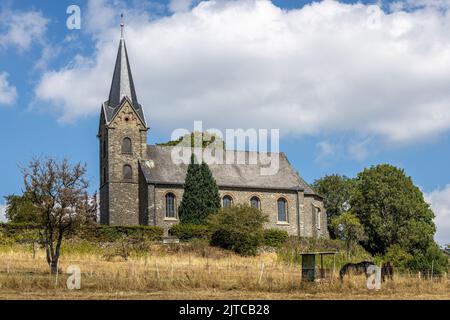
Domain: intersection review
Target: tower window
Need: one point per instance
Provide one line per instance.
(104, 148)
(282, 210)
(318, 218)
(227, 201)
(127, 172)
(255, 202)
(170, 206)
(126, 145)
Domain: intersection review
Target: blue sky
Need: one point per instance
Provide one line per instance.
(348, 115)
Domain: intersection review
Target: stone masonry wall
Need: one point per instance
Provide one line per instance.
(268, 205)
(123, 195)
(311, 223)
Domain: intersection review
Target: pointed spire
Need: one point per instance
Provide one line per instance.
(121, 26)
(122, 83)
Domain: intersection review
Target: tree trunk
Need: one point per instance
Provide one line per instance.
(54, 266)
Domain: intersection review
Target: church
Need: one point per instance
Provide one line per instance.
(141, 185)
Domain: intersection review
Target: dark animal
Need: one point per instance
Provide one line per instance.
(387, 271)
(355, 268)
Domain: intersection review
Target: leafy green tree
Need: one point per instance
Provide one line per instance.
(399, 257)
(336, 190)
(58, 192)
(432, 259)
(19, 209)
(196, 138)
(238, 228)
(392, 210)
(201, 194)
(348, 228)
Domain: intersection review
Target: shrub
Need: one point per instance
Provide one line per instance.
(238, 228)
(399, 257)
(434, 259)
(290, 251)
(20, 232)
(275, 237)
(103, 233)
(25, 232)
(188, 231)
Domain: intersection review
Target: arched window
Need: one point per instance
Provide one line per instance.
(318, 218)
(126, 145)
(127, 172)
(170, 206)
(282, 210)
(227, 201)
(255, 202)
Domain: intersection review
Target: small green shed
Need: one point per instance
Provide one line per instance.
(309, 265)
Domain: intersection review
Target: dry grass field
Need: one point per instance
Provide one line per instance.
(164, 273)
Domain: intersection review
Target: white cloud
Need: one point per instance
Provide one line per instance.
(325, 150)
(359, 150)
(2, 213)
(8, 93)
(324, 68)
(440, 203)
(21, 29)
(180, 5)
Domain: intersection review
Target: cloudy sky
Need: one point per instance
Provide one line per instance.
(349, 84)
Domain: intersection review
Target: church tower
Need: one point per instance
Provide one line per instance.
(123, 141)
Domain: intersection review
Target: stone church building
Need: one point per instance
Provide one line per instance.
(140, 184)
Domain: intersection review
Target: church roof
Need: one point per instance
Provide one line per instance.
(122, 86)
(160, 169)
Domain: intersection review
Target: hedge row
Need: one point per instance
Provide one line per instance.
(103, 233)
(275, 237)
(95, 233)
(187, 231)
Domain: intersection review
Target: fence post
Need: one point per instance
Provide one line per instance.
(261, 273)
(34, 250)
(157, 273)
(419, 275)
(334, 265)
(57, 274)
(432, 269)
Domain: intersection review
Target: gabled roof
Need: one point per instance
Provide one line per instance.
(111, 112)
(122, 86)
(160, 169)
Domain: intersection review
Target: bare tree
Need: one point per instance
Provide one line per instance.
(90, 208)
(58, 191)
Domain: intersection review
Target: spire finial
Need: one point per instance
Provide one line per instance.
(121, 25)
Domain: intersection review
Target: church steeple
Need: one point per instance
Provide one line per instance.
(122, 83)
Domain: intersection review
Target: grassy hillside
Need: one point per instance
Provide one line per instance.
(193, 270)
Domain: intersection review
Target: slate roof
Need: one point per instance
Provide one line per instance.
(160, 169)
(122, 86)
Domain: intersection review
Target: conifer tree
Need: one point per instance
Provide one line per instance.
(211, 191)
(201, 194)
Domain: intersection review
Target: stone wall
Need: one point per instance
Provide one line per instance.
(312, 227)
(143, 199)
(122, 202)
(160, 196)
(268, 198)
